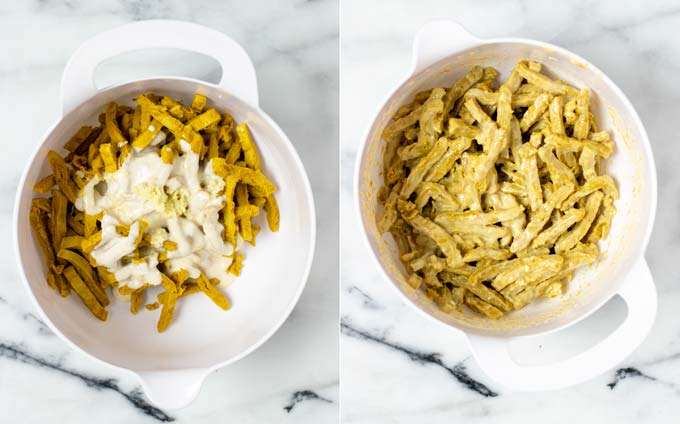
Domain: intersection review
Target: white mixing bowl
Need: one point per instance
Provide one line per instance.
(202, 337)
(443, 52)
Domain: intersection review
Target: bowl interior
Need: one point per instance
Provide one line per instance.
(201, 334)
(629, 166)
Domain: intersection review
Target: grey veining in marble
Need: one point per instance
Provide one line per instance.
(41, 379)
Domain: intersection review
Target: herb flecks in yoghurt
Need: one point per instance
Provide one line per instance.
(179, 202)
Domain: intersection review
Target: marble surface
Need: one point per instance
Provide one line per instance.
(291, 378)
(398, 367)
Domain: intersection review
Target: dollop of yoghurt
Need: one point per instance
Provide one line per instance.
(179, 202)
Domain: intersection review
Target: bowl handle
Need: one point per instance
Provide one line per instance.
(436, 40)
(173, 389)
(238, 73)
(638, 292)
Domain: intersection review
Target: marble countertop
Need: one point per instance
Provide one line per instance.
(398, 367)
(41, 378)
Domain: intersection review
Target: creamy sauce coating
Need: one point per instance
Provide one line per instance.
(180, 202)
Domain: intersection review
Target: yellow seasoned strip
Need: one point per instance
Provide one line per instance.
(249, 150)
(480, 253)
(159, 113)
(111, 125)
(504, 110)
(448, 159)
(106, 277)
(478, 218)
(175, 108)
(228, 213)
(58, 218)
(484, 97)
(237, 265)
(559, 172)
(62, 176)
(38, 221)
(109, 157)
(71, 242)
(582, 125)
(429, 126)
(78, 138)
(84, 293)
(600, 228)
(478, 114)
(443, 201)
(569, 239)
(147, 134)
(214, 294)
(44, 185)
(603, 149)
(541, 81)
(271, 208)
(557, 115)
(478, 305)
(588, 163)
(204, 120)
(169, 245)
(196, 143)
(123, 152)
(213, 146)
(549, 236)
(390, 215)
(90, 242)
(461, 86)
(418, 101)
(198, 103)
(169, 301)
(260, 184)
(43, 204)
(580, 255)
(244, 213)
(417, 174)
(408, 211)
(486, 233)
(137, 299)
(398, 126)
(540, 218)
(233, 153)
(87, 273)
(498, 141)
(90, 224)
(168, 154)
(58, 283)
(605, 183)
(515, 79)
(441, 296)
(136, 122)
(528, 270)
(476, 287)
(459, 128)
(529, 168)
(75, 223)
(534, 112)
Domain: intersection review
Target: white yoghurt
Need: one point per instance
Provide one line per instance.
(179, 201)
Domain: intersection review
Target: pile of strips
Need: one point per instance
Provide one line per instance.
(495, 194)
(66, 235)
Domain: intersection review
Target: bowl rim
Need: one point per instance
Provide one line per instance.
(306, 188)
(479, 42)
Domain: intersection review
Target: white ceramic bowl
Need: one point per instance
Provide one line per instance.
(202, 337)
(443, 52)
